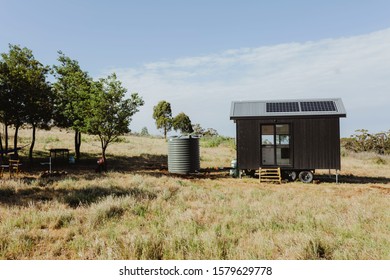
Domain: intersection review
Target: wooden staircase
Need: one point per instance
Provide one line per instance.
(272, 175)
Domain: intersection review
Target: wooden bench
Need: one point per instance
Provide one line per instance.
(12, 166)
(3, 167)
(270, 175)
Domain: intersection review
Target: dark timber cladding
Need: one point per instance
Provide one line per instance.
(292, 134)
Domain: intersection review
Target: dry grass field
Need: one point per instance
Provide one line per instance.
(138, 210)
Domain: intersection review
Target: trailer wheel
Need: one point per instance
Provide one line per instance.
(290, 175)
(306, 176)
(250, 172)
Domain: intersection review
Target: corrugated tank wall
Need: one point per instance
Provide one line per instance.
(183, 155)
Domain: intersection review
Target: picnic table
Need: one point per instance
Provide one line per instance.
(12, 166)
(59, 151)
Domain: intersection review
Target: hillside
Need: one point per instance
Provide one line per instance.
(138, 210)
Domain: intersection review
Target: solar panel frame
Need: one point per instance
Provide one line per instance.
(282, 107)
(318, 106)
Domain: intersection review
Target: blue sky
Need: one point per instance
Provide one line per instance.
(201, 55)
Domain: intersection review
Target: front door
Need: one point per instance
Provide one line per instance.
(275, 145)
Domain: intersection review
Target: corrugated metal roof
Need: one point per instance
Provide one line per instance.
(288, 108)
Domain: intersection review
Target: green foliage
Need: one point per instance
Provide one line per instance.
(121, 139)
(183, 123)
(14, 72)
(144, 131)
(72, 89)
(25, 94)
(216, 141)
(162, 114)
(75, 100)
(109, 114)
(198, 130)
(363, 141)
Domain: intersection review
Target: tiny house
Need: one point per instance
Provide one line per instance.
(299, 136)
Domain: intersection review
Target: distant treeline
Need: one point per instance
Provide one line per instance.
(363, 141)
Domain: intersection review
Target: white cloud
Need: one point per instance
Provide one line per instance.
(356, 69)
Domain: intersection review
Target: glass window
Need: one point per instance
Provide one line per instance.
(282, 144)
(282, 139)
(282, 156)
(267, 129)
(268, 155)
(267, 135)
(282, 129)
(267, 140)
(275, 144)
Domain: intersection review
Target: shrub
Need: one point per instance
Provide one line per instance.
(215, 141)
(380, 161)
(144, 131)
(363, 141)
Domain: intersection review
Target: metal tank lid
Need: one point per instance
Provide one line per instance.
(190, 136)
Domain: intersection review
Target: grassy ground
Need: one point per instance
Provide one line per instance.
(138, 210)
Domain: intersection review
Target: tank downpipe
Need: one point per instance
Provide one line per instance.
(234, 172)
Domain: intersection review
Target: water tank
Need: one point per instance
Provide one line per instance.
(183, 154)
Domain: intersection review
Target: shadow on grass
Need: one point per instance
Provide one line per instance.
(90, 195)
(88, 163)
(141, 162)
(144, 164)
(71, 197)
(352, 179)
(191, 176)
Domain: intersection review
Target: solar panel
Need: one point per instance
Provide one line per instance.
(318, 106)
(283, 107)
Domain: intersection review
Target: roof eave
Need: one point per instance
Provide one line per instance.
(288, 117)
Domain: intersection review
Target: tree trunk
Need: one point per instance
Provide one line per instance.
(103, 166)
(165, 133)
(1, 149)
(104, 157)
(30, 155)
(16, 140)
(1, 143)
(77, 144)
(6, 137)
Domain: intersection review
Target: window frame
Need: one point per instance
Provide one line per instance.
(275, 144)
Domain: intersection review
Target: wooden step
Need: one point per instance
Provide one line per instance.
(270, 175)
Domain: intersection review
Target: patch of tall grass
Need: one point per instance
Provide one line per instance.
(216, 141)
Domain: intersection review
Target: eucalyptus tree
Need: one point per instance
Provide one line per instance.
(162, 114)
(110, 114)
(13, 79)
(183, 123)
(72, 90)
(24, 92)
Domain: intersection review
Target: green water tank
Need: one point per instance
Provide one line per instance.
(183, 155)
